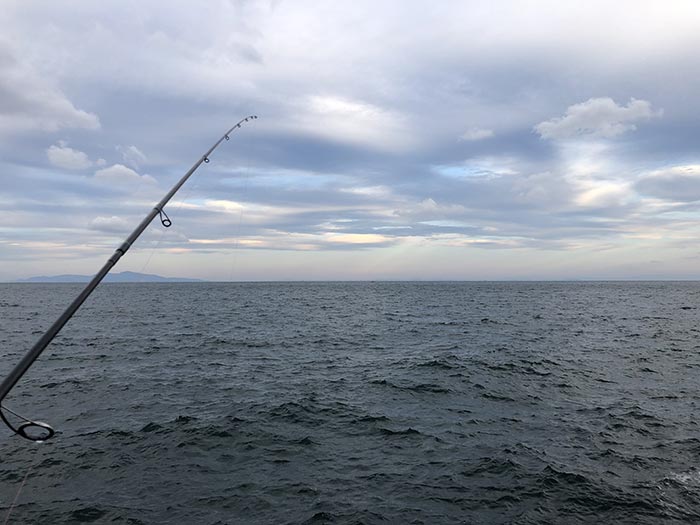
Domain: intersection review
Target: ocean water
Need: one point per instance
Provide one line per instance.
(292, 403)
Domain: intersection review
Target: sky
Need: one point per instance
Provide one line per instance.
(421, 140)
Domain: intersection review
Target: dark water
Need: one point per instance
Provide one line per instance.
(358, 403)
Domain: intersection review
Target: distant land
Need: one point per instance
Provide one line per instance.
(123, 277)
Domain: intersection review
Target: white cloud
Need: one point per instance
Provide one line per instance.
(61, 156)
(119, 174)
(279, 240)
(29, 101)
(429, 209)
(132, 156)
(354, 238)
(598, 117)
(353, 121)
(378, 192)
(602, 194)
(477, 134)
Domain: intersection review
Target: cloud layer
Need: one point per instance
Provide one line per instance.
(395, 140)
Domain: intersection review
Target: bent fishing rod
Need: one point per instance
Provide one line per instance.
(38, 430)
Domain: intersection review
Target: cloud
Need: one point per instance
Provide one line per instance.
(429, 210)
(62, 156)
(29, 101)
(602, 194)
(353, 121)
(120, 175)
(132, 156)
(477, 134)
(676, 183)
(355, 238)
(111, 224)
(597, 117)
(279, 240)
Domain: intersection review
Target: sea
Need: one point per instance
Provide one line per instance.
(356, 403)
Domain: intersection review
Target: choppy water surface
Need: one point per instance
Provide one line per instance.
(357, 403)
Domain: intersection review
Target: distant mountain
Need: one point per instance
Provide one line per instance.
(123, 277)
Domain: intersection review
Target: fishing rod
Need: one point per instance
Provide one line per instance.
(38, 430)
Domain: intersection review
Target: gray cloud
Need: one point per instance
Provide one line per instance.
(477, 134)
(677, 183)
(110, 224)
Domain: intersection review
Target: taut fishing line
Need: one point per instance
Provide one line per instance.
(36, 430)
(166, 222)
(21, 485)
(237, 233)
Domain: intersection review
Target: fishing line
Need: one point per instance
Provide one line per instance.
(21, 486)
(153, 250)
(167, 222)
(189, 192)
(237, 235)
(114, 318)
